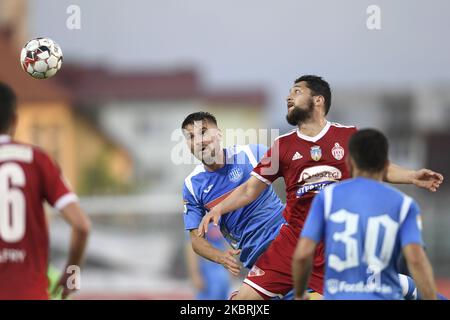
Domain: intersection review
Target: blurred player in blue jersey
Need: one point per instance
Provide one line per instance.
(365, 225)
(211, 280)
(248, 230)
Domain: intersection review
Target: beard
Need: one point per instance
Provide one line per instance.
(298, 115)
(208, 156)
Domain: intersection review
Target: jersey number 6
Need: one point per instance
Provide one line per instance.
(12, 203)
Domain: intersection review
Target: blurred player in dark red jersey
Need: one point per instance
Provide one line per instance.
(28, 177)
(308, 158)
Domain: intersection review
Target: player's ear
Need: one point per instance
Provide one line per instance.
(319, 100)
(385, 169)
(219, 134)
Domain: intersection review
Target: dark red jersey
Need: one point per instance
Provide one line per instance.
(307, 164)
(28, 177)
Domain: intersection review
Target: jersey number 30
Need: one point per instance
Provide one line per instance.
(12, 203)
(370, 244)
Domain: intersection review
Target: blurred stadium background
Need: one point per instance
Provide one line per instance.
(134, 70)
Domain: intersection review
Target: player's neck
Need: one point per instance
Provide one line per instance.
(378, 176)
(219, 162)
(312, 127)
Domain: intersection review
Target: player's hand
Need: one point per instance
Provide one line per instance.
(62, 287)
(214, 216)
(427, 179)
(229, 262)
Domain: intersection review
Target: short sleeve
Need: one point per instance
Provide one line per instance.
(258, 150)
(411, 228)
(57, 191)
(315, 222)
(269, 166)
(193, 211)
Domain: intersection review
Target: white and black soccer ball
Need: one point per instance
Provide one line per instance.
(41, 58)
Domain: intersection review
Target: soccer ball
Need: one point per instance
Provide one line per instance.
(41, 58)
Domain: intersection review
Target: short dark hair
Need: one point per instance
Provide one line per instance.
(198, 116)
(8, 103)
(319, 87)
(369, 149)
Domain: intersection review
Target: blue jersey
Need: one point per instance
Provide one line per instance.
(364, 224)
(250, 228)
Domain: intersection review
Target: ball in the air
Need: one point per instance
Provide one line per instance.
(41, 58)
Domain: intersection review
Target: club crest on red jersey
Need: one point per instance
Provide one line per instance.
(255, 272)
(316, 153)
(337, 151)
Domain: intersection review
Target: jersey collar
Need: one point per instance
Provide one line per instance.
(4, 138)
(318, 136)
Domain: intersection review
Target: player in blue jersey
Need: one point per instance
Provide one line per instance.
(365, 225)
(210, 280)
(248, 230)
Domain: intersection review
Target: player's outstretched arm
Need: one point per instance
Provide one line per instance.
(81, 226)
(227, 259)
(245, 194)
(423, 178)
(301, 266)
(421, 270)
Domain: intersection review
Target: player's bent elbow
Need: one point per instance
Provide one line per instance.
(415, 255)
(419, 265)
(196, 249)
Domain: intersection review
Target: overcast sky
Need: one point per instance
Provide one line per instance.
(258, 42)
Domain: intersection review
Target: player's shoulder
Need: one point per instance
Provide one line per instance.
(35, 148)
(342, 127)
(194, 180)
(366, 184)
(377, 188)
(195, 173)
(405, 203)
(20, 151)
(394, 192)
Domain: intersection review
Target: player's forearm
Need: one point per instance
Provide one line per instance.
(81, 226)
(301, 269)
(78, 244)
(422, 273)
(398, 174)
(242, 196)
(203, 248)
